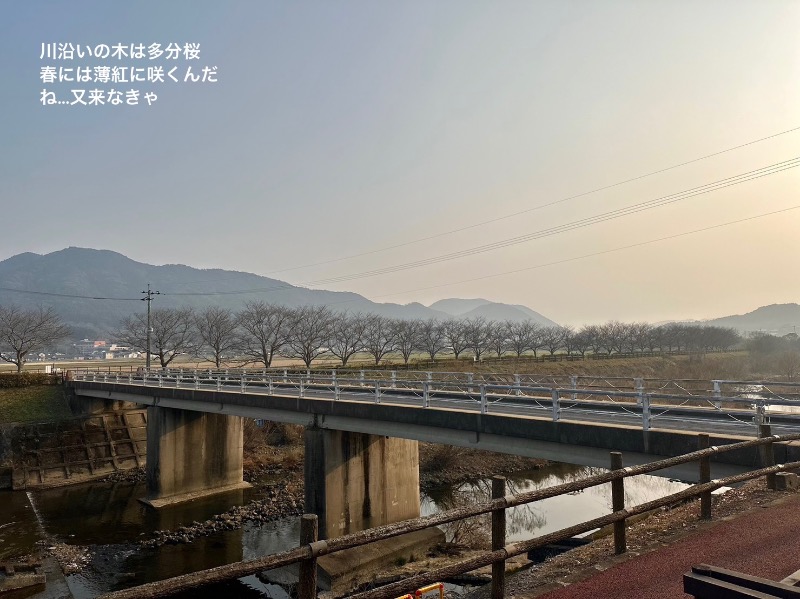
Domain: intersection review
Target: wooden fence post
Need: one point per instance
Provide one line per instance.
(703, 442)
(618, 503)
(498, 538)
(309, 530)
(767, 452)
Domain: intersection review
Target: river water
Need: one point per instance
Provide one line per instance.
(109, 518)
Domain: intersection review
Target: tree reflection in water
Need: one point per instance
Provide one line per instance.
(542, 517)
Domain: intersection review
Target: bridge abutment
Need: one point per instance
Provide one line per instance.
(191, 454)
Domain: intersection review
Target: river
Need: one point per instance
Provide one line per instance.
(109, 518)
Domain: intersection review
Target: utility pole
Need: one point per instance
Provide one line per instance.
(148, 297)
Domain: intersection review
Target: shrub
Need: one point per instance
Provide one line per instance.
(9, 380)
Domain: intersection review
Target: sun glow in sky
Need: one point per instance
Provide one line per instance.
(341, 129)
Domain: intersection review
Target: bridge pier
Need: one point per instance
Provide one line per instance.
(355, 481)
(191, 454)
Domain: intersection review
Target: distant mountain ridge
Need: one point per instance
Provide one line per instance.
(471, 308)
(778, 319)
(104, 273)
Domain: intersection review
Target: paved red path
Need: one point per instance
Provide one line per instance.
(764, 542)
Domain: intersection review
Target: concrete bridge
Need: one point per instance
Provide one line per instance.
(361, 467)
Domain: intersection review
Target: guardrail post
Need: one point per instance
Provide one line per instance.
(517, 384)
(130, 378)
(556, 405)
(307, 585)
(196, 381)
(617, 504)
(361, 377)
(394, 379)
(429, 376)
(285, 375)
(242, 382)
(638, 384)
(573, 380)
(703, 442)
(484, 402)
(302, 387)
(498, 538)
(377, 392)
(160, 380)
(646, 417)
(717, 394)
(335, 389)
(767, 452)
(269, 384)
(470, 379)
(426, 394)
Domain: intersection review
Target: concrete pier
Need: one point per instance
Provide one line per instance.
(355, 481)
(191, 455)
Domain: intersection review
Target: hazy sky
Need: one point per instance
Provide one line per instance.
(342, 128)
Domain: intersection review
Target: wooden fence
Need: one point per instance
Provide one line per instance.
(311, 548)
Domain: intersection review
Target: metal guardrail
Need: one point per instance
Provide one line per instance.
(748, 408)
(311, 549)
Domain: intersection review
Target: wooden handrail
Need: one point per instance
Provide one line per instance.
(245, 568)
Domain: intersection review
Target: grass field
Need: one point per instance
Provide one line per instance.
(33, 404)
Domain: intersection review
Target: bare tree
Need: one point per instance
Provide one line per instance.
(347, 335)
(378, 337)
(553, 338)
(217, 334)
(581, 340)
(172, 333)
(432, 338)
(406, 337)
(25, 331)
(455, 334)
(311, 334)
(263, 331)
(477, 334)
(521, 335)
(498, 337)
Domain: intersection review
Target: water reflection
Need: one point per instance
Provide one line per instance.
(549, 515)
(109, 517)
(19, 529)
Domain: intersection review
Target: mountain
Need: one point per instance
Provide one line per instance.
(778, 319)
(107, 274)
(471, 308)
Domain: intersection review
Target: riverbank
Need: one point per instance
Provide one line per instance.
(660, 529)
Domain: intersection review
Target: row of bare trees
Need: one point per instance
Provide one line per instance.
(261, 331)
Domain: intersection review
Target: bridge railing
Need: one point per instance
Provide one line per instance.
(676, 386)
(308, 552)
(746, 409)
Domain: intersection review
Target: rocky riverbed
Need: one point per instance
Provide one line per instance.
(280, 500)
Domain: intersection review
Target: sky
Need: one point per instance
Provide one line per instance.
(343, 138)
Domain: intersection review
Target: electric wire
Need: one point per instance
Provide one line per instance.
(614, 214)
(533, 208)
(527, 210)
(68, 295)
(591, 255)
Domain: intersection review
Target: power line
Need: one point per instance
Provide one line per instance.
(532, 209)
(592, 255)
(614, 214)
(527, 210)
(89, 297)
